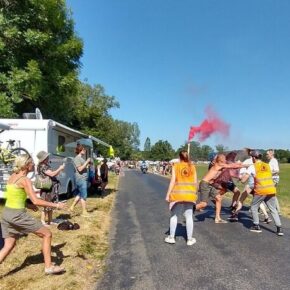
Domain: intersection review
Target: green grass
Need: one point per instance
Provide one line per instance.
(282, 189)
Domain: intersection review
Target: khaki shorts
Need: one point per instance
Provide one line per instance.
(17, 222)
(206, 191)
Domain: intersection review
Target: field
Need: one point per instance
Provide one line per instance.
(282, 189)
(82, 252)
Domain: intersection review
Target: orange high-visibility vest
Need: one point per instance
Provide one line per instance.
(185, 186)
(264, 184)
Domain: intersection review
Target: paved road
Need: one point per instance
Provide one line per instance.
(226, 256)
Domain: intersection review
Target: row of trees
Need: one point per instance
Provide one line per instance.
(40, 62)
(162, 150)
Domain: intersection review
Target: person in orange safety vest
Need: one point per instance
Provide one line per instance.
(182, 195)
(264, 190)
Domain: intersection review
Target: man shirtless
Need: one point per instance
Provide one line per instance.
(207, 189)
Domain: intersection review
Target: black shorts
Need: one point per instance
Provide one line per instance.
(230, 185)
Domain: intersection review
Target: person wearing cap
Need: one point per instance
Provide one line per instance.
(274, 165)
(248, 190)
(264, 190)
(44, 169)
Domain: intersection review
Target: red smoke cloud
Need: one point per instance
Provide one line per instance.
(212, 124)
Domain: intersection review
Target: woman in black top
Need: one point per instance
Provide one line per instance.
(50, 195)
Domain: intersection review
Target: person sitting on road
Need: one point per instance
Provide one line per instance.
(182, 195)
(16, 221)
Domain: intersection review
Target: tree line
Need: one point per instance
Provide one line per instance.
(162, 150)
(40, 63)
(39, 67)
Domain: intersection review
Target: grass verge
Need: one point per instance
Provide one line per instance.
(82, 252)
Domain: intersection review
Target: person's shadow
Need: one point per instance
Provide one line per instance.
(38, 259)
(180, 231)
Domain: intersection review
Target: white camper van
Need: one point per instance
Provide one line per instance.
(59, 140)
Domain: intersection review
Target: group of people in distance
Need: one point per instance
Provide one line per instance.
(185, 193)
(15, 219)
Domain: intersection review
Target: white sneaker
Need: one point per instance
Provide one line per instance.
(169, 240)
(191, 241)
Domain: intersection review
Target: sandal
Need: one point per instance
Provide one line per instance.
(220, 221)
(54, 270)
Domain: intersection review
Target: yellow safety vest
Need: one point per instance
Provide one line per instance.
(185, 186)
(264, 184)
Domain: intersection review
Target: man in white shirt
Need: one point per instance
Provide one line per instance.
(248, 189)
(264, 190)
(273, 162)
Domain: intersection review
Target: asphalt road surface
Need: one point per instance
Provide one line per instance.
(226, 256)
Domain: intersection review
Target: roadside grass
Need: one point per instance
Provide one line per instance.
(82, 252)
(283, 189)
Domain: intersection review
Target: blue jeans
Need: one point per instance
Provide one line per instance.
(81, 188)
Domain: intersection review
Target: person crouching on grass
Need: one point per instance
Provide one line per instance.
(207, 189)
(16, 221)
(182, 196)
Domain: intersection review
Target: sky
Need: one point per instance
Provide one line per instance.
(168, 61)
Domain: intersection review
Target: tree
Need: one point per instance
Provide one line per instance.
(205, 152)
(162, 150)
(147, 148)
(221, 148)
(40, 55)
(147, 145)
(195, 151)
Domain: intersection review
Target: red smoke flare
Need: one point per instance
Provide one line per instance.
(212, 124)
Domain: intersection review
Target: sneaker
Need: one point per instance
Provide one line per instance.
(267, 220)
(169, 240)
(191, 241)
(220, 221)
(279, 231)
(256, 229)
(54, 270)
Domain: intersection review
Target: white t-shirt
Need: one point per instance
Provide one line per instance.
(251, 170)
(274, 165)
(248, 161)
(274, 169)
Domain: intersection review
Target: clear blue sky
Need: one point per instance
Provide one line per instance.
(166, 60)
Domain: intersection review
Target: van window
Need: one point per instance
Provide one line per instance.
(60, 144)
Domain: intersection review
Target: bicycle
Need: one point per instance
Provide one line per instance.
(9, 153)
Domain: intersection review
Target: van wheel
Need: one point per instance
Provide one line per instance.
(69, 191)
